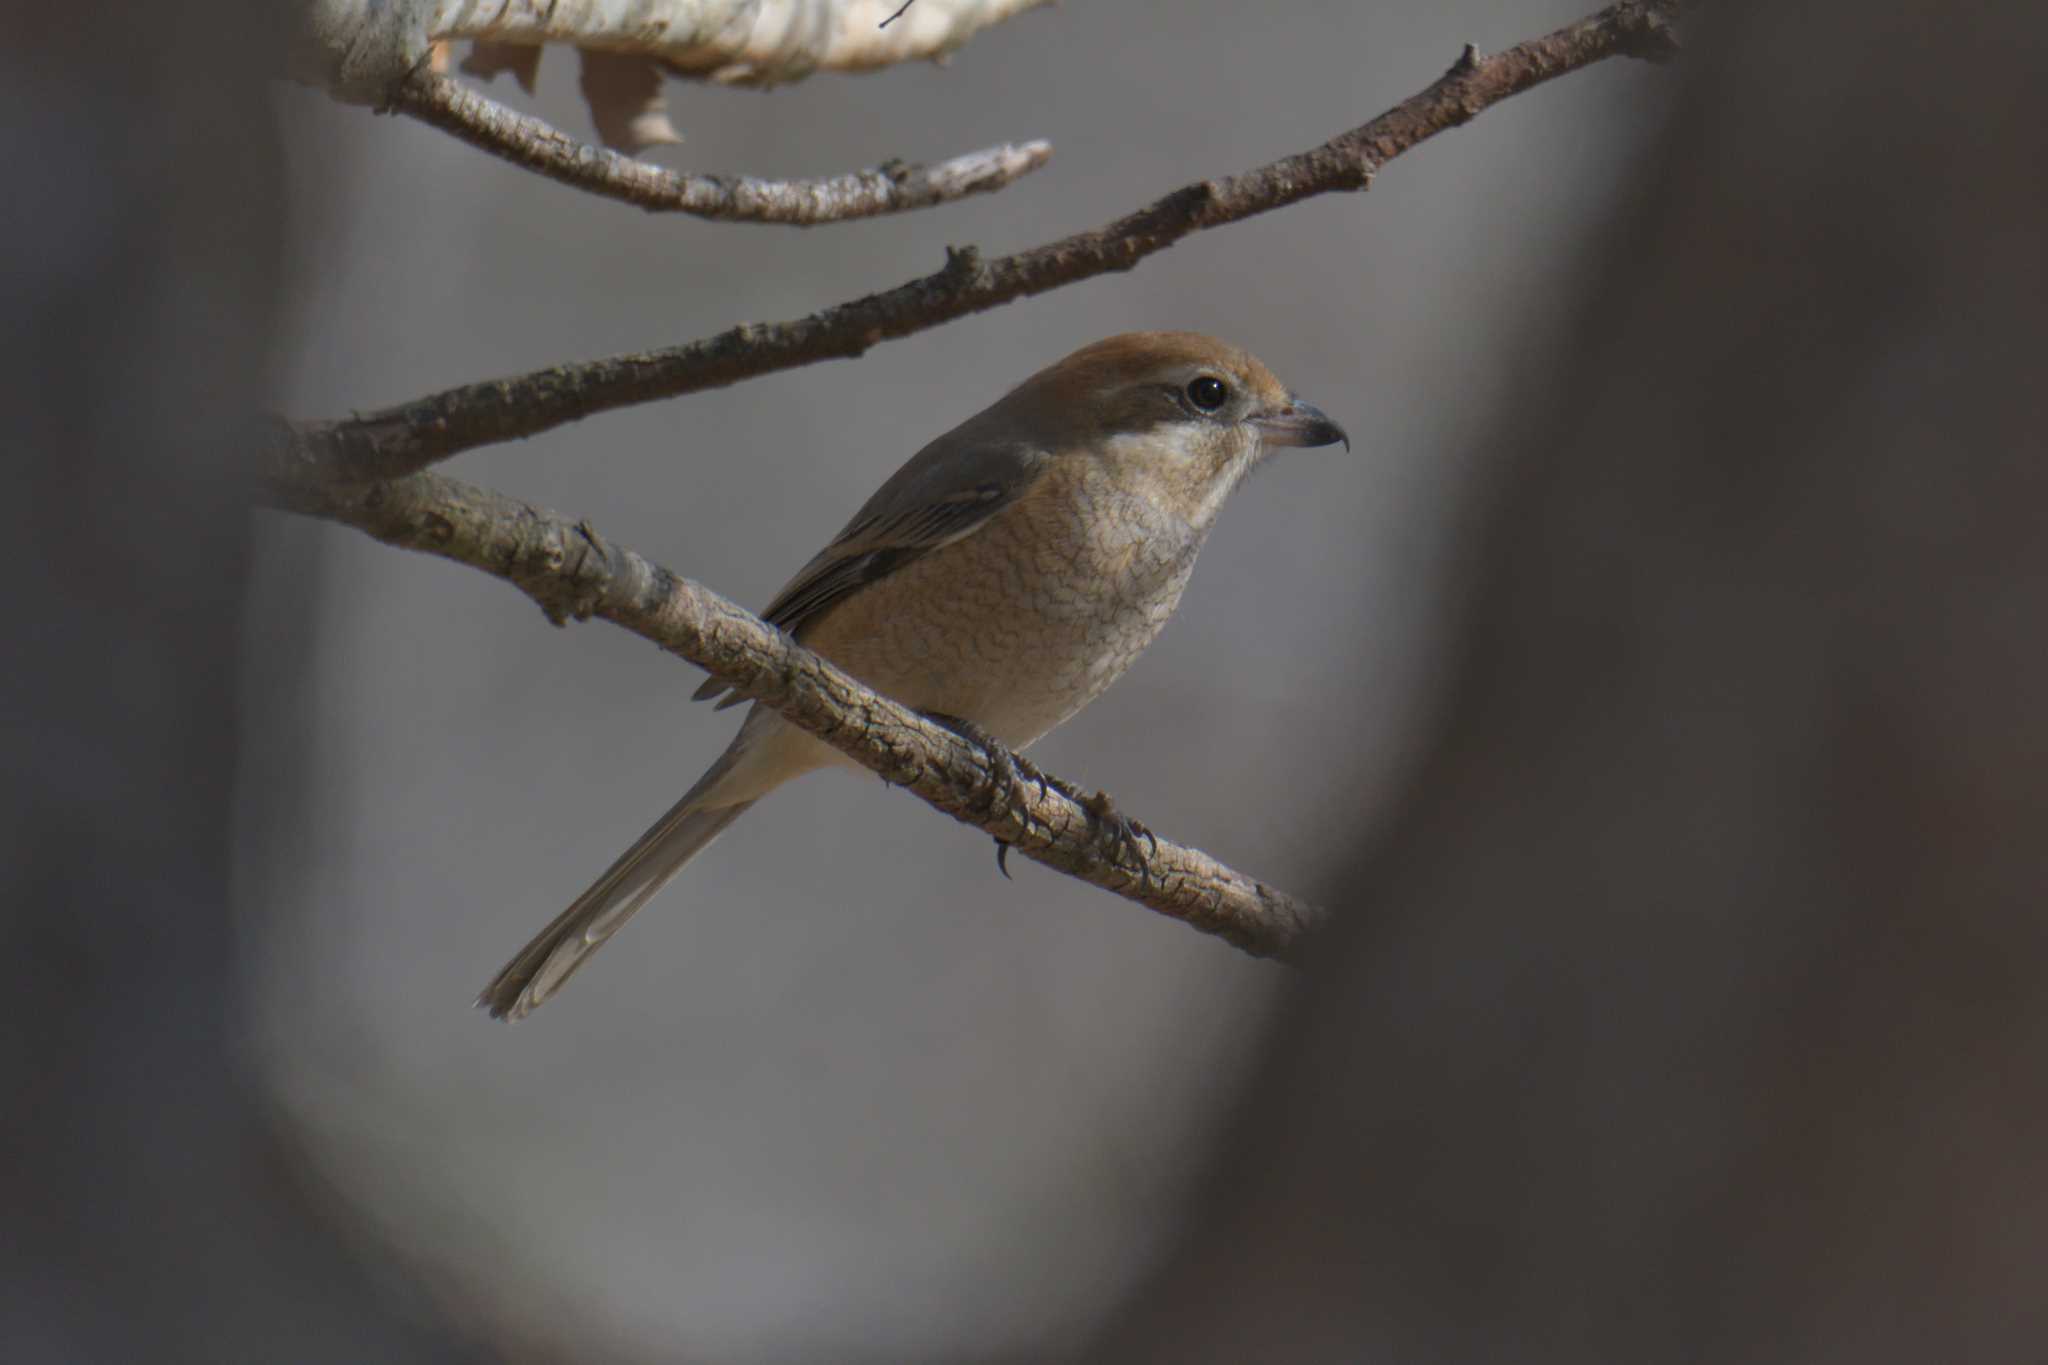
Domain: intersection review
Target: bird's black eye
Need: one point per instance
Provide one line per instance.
(1207, 392)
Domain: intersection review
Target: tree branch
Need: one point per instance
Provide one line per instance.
(574, 573)
(755, 42)
(362, 50)
(402, 440)
(367, 472)
(453, 107)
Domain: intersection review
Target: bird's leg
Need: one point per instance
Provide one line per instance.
(1006, 765)
(1003, 765)
(1004, 768)
(1122, 831)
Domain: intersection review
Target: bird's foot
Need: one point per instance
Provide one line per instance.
(1004, 766)
(1047, 780)
(1005, 769)
(1122, 832)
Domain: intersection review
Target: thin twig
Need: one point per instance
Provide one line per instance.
(407, 438)
(573, 573)
(476, 118)
(901, 10)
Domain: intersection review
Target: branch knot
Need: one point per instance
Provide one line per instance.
(963, 268)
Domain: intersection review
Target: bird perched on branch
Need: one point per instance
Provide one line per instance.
(999, 581)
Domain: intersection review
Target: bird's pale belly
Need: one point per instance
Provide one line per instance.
(1016, 627)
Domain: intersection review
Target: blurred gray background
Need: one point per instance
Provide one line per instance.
(1680, 782)
(843, 1093)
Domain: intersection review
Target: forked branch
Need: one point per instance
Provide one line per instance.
(405, 439)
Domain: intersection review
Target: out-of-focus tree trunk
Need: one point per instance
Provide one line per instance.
(1694, 1007)
(149, 1215)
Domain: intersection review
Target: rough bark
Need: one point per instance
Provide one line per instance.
(574, 573)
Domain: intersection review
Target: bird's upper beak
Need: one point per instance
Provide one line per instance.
(1299, 424)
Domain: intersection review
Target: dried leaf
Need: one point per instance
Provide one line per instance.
(486, 60)
(627, 101)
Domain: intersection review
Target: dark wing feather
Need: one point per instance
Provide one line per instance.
(943, 494)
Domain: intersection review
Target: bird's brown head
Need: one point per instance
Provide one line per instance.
(1184, 413)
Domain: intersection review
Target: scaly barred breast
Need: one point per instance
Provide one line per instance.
(1023, 623)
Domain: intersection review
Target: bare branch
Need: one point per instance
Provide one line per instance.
(401, 440)
(362, 50)
(455, 108)
(574, 573)
(756, 42)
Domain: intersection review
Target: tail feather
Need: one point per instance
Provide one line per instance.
(539, 969)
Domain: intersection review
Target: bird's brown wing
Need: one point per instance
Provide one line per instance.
(948, 491)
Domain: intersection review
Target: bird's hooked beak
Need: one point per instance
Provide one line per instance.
(1299, 424)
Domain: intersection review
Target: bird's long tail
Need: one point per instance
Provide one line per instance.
(538, 971)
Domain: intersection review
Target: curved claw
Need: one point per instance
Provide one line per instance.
(1005, 770)
(1002, 764)
(1122, 831)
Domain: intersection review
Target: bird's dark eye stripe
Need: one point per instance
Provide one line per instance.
(1207, 392)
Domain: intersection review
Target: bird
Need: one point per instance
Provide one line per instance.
(998, 582)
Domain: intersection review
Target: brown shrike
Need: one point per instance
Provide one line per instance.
(1003, 578)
